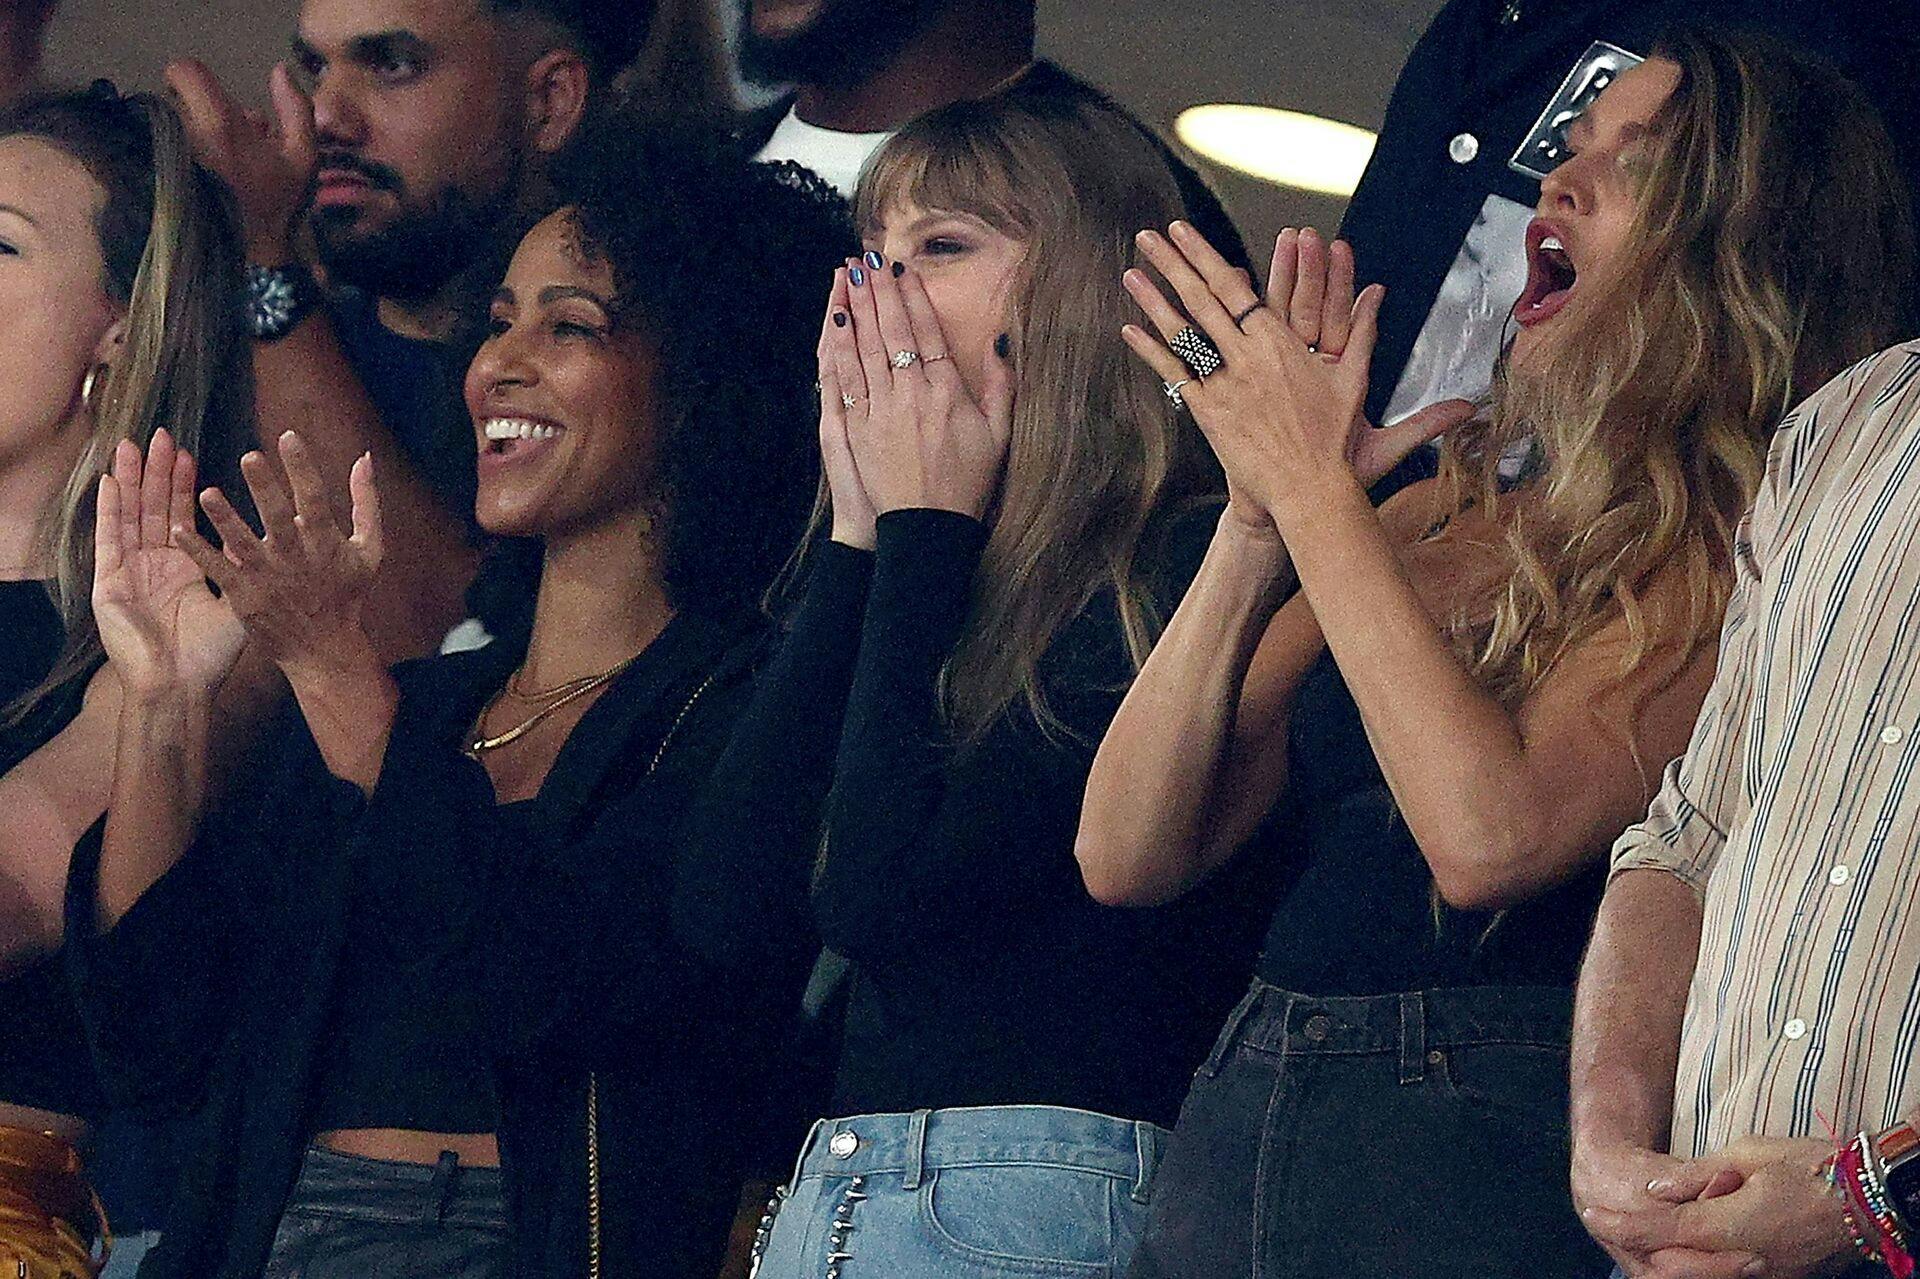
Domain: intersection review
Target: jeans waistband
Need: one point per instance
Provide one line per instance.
(363, 1189)
(1410, 1024)
(912, 1145)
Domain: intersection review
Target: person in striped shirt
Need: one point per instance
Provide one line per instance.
(1751, 997)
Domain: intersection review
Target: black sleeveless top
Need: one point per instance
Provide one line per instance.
(43, 1053)
(1358, 914)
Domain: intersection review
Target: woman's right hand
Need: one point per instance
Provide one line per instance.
(301, 588)
(163, 630)
(919, 438)
(843, 389)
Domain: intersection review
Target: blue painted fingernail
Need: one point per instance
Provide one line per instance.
(839, 319)
(1003, 346)
(856, 276)
(874, 260)
(899, 269)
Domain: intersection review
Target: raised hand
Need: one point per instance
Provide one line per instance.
(162, 628)
(301, 588)
(267, 162)
(918, 438)
(843, 389)
(1285, 411)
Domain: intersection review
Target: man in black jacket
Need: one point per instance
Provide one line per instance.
(1474, 123)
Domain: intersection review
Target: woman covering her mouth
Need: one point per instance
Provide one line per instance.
(438, 947)
(1473, 688)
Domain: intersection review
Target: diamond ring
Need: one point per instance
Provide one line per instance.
(905, 359)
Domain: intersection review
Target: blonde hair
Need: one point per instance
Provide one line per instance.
(171, 253)
(1096, 456)
(1772, 249)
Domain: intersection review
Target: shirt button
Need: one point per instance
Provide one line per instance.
(843, 1145)
(1892, 734)
(1795, 1029)
(1463, 148)
(1838, 876)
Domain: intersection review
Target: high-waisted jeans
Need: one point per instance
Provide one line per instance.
(1401, 1135)
(984, 1193)
(353, 1218)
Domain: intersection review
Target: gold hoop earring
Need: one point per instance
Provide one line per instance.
(88, 386)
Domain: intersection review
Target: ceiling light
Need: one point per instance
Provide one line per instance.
(1289, 148)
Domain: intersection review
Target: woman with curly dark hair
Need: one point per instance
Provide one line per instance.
(444, 930)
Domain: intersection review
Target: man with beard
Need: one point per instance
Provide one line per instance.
(409, 137)
(859, 69)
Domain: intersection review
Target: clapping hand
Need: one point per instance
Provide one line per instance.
(300, 589)
(162, 628)
(896, 409)
(1285, 411)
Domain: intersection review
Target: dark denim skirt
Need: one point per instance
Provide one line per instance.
(1422, 1134)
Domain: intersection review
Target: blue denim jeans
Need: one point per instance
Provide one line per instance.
(986, 1193)
(357, 1218)
(1374, 1138)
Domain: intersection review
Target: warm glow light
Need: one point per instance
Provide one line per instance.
(1285, 147)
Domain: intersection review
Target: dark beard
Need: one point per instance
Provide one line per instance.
(840, 48)
(414, 259)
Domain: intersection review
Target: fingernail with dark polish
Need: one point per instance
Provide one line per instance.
(874, 260)
(1003, 346)
(839, 319)
(856, 276)
(899, 269)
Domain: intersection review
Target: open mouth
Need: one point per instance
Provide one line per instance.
(517, 438)
(1551, 276)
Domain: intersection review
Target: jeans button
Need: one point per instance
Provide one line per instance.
(843, 1145)
(1318, 1027)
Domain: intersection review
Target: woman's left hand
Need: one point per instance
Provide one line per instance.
(300, 589)
(918, 436)
(1283, 414)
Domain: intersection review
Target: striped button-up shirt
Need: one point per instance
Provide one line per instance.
(1795, 812)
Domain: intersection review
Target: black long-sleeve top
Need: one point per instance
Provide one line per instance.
(984, 972)
(557, 908)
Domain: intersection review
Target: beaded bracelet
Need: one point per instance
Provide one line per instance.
(1871, 1222)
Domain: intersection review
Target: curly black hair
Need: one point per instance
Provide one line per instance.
(725, 265)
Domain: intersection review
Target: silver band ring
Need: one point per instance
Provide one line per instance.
(1241, 318)
(935, 359)
(1172, 389)
(905, 359)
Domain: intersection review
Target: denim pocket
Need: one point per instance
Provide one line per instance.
(1524, 1080)
(1024, 1218)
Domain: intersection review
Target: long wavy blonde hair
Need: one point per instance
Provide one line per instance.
(171, 249)
(1773, 248)
(1097, 457)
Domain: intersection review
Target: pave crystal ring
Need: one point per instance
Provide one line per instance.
(905, 359)
(1199, 352)
(1172, 389)
(848, 401)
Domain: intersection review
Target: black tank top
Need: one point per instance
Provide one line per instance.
(1358, 914)
(43, 1052)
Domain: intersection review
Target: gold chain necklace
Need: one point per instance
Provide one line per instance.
(569, 692)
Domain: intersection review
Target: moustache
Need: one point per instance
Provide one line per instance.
(375, 174)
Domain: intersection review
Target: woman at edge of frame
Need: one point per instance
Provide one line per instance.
(1475, 687)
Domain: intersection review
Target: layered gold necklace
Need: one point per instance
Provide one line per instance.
(549, 700)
